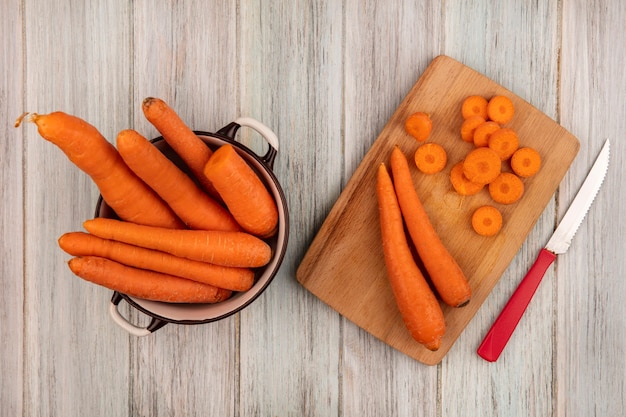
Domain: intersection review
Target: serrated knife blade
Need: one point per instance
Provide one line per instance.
(503, 327)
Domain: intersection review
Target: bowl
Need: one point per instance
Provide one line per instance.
(190, 314)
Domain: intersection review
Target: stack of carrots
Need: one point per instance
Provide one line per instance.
(178, 239)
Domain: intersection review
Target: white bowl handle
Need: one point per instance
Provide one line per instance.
(125, 324)
(265, 131)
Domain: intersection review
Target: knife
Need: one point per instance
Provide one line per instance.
(497, 337)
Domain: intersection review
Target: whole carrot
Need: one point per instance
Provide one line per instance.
(445, 273)
(418, 306)
(192, 205)
(237, 249)
(84, 244)
(122, 190)
(242, 191)
(145, 284)
(181, 138)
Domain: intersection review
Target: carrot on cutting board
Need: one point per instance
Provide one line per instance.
(123, 191)
(507, 188)
(500, 109)
(418, 306)
(487, 221)
(419, 125)
(461, 184)
(85, 244)
(181, 138)
(145, 284)
(482, 165)
(430, 158)
(504, 142)
(192, 205)
(526, 162)
(483, 132)
(474, 106)
(445, 273)
(243, 192)
(238, 249)
(468, 127)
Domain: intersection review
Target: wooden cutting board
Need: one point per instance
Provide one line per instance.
(344, 265)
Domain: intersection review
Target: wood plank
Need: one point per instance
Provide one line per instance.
(75, 363)
(590, 330)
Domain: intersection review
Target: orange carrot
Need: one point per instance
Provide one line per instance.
(236, 249)
(504, 142)
(84, 244)
(483, 132)
(430, 158)
(468, 127)
(445, 273)
(461, 184)
(419, 125)
(181, 138)
(487, 221)
(507, 188)
(500, 109)
(123, 191)
(144, 284)
(243, 192)
(194, 207)
(482, 165)
(474, 106)
(526, 162)
(418, 306)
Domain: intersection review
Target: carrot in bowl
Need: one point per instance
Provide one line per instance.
(526, 162)
(123, 191)
(474, 106)
(194, 207)
(243, 192)
(504, 142)
(507, 188)
(482, 165)
(419, 125)
(487, 221)
(500, 109)
(430, 158)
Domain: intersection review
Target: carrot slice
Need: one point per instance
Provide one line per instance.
(483, 132)
(430, 158)
(461, 184)
(507, 188)
(526, 162)
(487, 220)
(500, 109)
(419, 125)
(482, 165)
(504, 142)
(468, 127)
(474, 106)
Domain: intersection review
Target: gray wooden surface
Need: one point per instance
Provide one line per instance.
(325, 76)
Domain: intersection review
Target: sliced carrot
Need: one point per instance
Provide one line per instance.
(195, 207)
(474, 106)
(500, 109)
(487, 220)
(84, 244)
(430, 158)
(468, 127)
(483, 132)
(243, 192)
(507, 188)
(144, 284)
(123, 191)
(419, 125)
(236, 249)
(417, 304)
(504, 142)
(443, 270)
(526, 162)
(461, 184)
(482, 165)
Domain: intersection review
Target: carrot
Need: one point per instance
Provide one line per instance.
(430, 158)
(474, 106)
(487, 220)
(181, 138)
(192, 205)
(504, 142)
(483, 132)
(445, 273)
(419, 125)
(145, 284)
(482, 165)
(123, 191)
(468, 127)
(461, 184)
(500, 109)
(236, 249)
(507, 188)
(243, 192)
(417, 304)
(84, 244)
(526, 162)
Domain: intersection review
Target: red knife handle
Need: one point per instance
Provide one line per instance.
(496, 339)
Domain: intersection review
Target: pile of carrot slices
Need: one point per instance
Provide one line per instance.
(179, 238)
